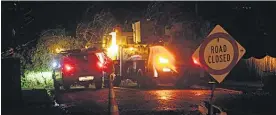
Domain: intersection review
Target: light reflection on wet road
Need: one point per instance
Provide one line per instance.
(132, 100)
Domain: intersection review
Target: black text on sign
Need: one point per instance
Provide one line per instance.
(218, 54)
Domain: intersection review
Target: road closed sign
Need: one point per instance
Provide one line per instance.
(218, 53)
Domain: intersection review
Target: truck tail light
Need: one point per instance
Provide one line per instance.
(163, 60)
(166, 69)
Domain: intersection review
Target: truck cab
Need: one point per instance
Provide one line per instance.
(162, 65)
(157, 67)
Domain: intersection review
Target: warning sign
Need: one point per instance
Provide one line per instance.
(219, 53)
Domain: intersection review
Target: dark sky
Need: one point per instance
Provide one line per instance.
(254, 28)
(47, 15)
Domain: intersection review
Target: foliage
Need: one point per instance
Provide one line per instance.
(24, 55)
(40, 58)
(182, 24)
(46, 49)
(95, 27)
(36, 80)
(163, 13)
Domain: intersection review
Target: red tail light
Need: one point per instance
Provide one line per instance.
(68, 67)
(100, 64)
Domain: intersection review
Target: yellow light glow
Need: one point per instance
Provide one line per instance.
(155, 74)
(166, 69)
(199, 92)
(112, 51)
(163, 60)
(131, 49)
(160, 57)
(164, 94)
(58, 50)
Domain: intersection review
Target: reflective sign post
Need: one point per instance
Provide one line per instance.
(211, 97)
(218, 54)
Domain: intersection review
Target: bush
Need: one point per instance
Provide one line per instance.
(37, 80)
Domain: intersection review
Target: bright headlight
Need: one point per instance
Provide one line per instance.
(55, 64)
(166, 69)
(163, 60)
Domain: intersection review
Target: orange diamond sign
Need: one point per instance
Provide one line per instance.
(219, 53)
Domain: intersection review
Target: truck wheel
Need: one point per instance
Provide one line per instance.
(99, 83)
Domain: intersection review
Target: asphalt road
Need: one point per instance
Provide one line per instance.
(136, 101)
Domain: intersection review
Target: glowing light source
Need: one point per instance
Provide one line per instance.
(112, 51)
(58, 50)
(131, 49)
(68, 67)
(160, 57)
(166, 69)
(54, 64)
(100, 64)
(155, 73)
(196, 61)
(163, 60)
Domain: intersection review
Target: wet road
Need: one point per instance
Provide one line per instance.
(136, 101)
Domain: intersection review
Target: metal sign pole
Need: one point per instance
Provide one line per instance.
(211, 98)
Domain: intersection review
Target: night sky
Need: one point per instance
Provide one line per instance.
(250, 23)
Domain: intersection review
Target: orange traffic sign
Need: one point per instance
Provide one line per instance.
(219, 53)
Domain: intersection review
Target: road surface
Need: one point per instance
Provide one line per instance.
(136, 101)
